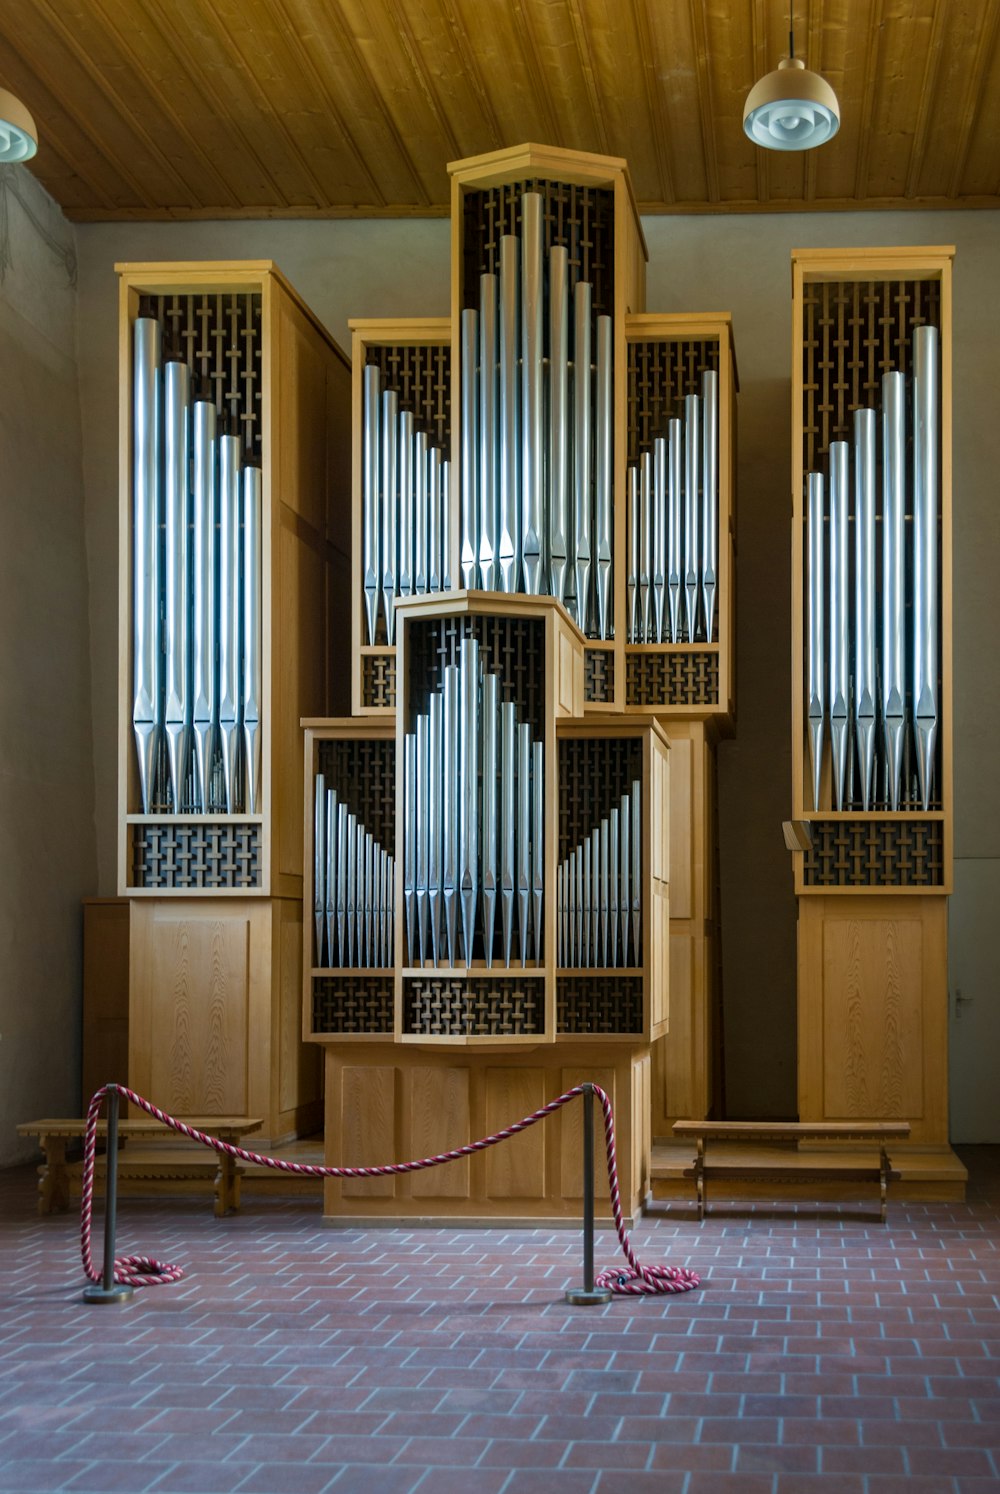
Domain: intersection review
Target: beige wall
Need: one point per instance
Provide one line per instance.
(47, 840)
(739, 264)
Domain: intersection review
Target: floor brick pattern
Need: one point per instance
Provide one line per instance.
(298, 1359)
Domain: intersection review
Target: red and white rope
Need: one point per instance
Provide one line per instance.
(142, 1270)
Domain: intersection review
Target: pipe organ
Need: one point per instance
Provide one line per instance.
(871, 694)
(504, 754)
(231, 525)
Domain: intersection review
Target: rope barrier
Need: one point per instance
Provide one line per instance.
(142, 1270)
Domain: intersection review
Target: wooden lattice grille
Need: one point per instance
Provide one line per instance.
(363, 772)
(219, 336)
(594, 774)
(358, 1004)
(580, 218)
(683, 678)
(852, 333)
(875, 853)
(378, 678)
(481, 1006)
(598, 676)
(211, 856)
(661, 373)
(513, 648)
(598, 1004)
(422, 378)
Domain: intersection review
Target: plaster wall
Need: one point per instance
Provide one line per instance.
(47, 837)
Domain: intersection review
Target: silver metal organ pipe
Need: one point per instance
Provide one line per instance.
(433, 519)
(645, 541)
(253, 659)
(675, 504)
(446, 525)
(572, 958)
(508, 811)
(624, 865)
(579, 918)
(351, 900)
(467, 785)
(635, 881)
(558, 420)
(177, 682)
(634, 547)
(532, 426)
(692, 480)
(450, 807)
(613, 903)
(370, 494)
(538, 842)
(561, 913)
(925, 553)
(205, 600)
(468, 532)
(230, 613)
(410, 807)
(582, 302)
(489, 504)
(659, 535)
(587, 892)
(147, 695)
(604, 448)
(491, 727)
(342, 842)
(839, 691)
(893, 577)
(434, 828)
(369, 864)
(604, 891)
(815, 626)
(319, 862)
(523, 837)
(710, 497)
(865, 688)
(595, 894)
(389, 482)
(421, 828)
(405, 515)
(332, 874)
(509, 546)
(420, 514)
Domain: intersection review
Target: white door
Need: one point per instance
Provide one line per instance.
(974, 1001)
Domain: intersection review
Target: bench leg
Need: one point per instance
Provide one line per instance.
(700, 1176)
(227, 1187)
(884, 1181)
(53, 1176)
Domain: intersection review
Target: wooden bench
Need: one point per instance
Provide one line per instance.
(168, 1159)
(769, 1166)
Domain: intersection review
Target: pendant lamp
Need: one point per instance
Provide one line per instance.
(791, 108)
(18, 135)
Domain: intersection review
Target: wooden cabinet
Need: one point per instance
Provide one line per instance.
(872, 816)
(212, 863)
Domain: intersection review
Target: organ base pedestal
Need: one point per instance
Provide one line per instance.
(386, 1104)
(873, 1022)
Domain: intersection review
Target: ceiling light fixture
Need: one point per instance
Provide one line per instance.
(18, 135)
(791, 108)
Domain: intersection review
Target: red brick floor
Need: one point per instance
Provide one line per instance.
(294, 1359)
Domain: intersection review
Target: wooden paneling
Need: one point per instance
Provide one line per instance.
(291, 108)
(365, 1133)
(873, 1003)
(516, 1168)
(105, 993)
(439, 1122)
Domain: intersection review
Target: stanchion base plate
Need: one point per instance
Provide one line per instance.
(577, 1297)
(116, 1295)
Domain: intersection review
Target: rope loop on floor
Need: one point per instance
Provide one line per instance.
(631, 1279)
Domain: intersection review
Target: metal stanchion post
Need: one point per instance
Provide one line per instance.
(588, 1295)
(109, 1291)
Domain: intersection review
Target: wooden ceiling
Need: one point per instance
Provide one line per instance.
(328, 108)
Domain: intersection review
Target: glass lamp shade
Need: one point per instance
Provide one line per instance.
(791, 109)
(18, 135)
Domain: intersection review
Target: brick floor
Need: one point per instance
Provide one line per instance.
(294, 1359)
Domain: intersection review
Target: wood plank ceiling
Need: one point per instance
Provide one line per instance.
(322, 108)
